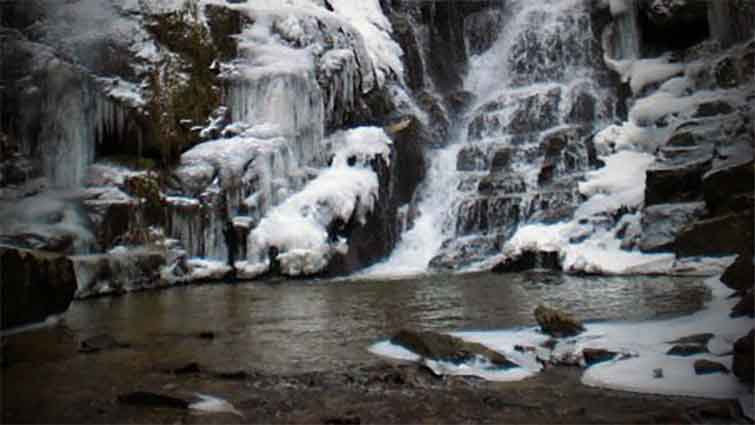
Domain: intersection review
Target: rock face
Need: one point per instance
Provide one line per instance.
(34, 285)
(557, 323)
(744, 358)
(705, 367)
(441, 347)
(740, 276)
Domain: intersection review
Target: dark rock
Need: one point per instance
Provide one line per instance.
(662, 223)
(502, 184)
(471, 158)
(528, 260)
(448, 348)
(501, 160)
(676, 183)
(557, 323)
(206, 335)
(482, 28)
(721, 183)
(745, 306)
(739, 276)
(34, 285)
(459, 253)
(706, 367)
(101, 343)
(236, 375)
(148, 399)
(118, 273)
(343, 420)
(685, 350)
(687, 20)
(744, 358)
(713, 108)
(597, 355)
(722, 235)
(188, 369)
(699, 339)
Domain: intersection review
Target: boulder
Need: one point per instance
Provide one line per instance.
(705, 367)
(118, 272)
(739, 275)
(436, 346)
(557, 323)
(743, 365)
(471, 158)
(662, 223)
(722, 235)
(34, 285)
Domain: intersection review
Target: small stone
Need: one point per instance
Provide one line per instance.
(658, 373)
(207, 335)
(189, 368)
(705, 367)
(143, 398)
(700, 339)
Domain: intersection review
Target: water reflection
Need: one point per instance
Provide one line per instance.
(294, 326)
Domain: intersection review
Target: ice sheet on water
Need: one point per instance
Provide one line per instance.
(645, 344)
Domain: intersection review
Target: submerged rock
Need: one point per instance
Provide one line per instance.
(34, 285)
(100, 343)
(436, 346)
(701, 339)
(557, 323)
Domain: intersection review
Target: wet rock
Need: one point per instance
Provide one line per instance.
(34, 285)
(739, 276)
(436, 346)
(662, 223)
(101, 342)
(722, 183)
(528, 260)
(502, 184)
(723, 235)
(706, 367)
(700, 339)
(148, 399)
(743, 365)
(471, 158)
(685, 350)
(557, 323)
(745, 306)
(458, 253)
(501, 160)
(597, 355)
(713, 108)
(676, 183)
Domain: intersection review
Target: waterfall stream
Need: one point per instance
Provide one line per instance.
(518, 153)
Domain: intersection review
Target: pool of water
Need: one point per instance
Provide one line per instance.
(295, 326)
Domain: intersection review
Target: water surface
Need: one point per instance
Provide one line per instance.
(295, 326)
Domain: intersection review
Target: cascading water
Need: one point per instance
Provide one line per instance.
(539, 95)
